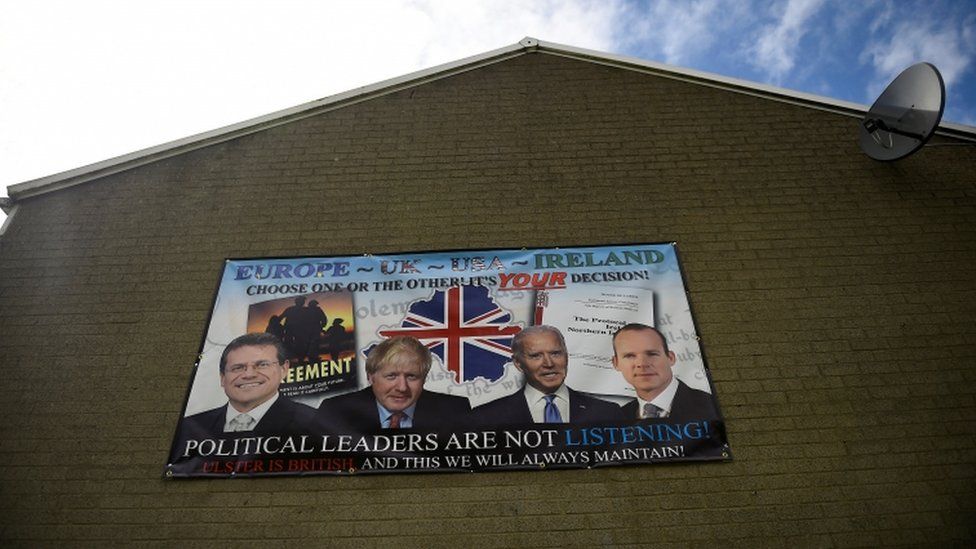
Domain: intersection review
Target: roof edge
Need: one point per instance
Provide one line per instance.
(155, 153)
(949, 129)
(83, 174)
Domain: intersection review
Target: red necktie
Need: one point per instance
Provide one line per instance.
(395, 418)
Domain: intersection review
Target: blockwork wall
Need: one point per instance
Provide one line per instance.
(834, 295)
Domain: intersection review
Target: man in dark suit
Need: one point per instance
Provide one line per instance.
(539, 352)
(252, 367)
(641, 354)
(395, 398)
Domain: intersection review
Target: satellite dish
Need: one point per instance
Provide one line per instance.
(906, 114)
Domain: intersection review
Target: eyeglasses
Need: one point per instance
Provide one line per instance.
(259, 366)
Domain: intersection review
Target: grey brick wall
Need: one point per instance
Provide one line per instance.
(835, 296)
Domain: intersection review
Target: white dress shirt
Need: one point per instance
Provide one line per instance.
(662, 401)
(536, 400)
(257, 413)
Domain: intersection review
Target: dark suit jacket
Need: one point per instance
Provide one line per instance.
(285, 417)
(514, 409)
(688, 405)
(357, 413)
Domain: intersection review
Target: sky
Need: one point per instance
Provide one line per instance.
(82, 82)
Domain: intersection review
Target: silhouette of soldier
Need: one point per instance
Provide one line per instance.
(274, 327)
(317, 322)
(335, 337)
(292, 320)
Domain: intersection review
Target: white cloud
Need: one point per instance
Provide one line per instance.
(775, 50)
(678, 31)
(947, 44)
(86, 81)
(460, 28)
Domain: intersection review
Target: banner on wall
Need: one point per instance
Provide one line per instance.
(449, 361)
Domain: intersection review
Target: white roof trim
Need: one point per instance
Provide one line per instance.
(527, 45)
(152, 154)
(734, 84)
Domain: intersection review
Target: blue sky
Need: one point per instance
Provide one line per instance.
(844, 50)
(82, 82)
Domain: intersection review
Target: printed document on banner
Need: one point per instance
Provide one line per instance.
(588, 315)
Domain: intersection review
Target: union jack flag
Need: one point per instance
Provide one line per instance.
(465, 328)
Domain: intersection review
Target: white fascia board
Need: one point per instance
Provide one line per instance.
(820, 102)
(142, 157)
(125, 162)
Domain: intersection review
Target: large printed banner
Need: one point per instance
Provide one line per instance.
(449, 361)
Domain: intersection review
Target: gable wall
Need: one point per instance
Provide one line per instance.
(834, 296)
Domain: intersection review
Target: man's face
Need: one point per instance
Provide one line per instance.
(252, 375)
(399, 382)
(543, 361)
(639, 355)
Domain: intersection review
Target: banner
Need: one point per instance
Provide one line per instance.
(449, 361)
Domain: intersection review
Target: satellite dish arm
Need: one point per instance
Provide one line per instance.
(874, 124)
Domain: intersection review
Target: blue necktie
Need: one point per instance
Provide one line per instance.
(551, 412)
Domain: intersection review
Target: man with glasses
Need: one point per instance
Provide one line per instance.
(252, 367)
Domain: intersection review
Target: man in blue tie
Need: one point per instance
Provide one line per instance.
(539, 352)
